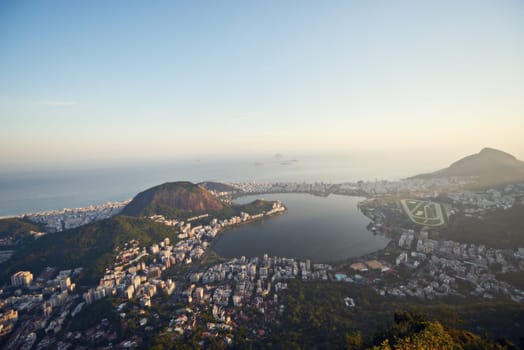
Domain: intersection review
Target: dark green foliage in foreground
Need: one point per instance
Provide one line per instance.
(17, 229)
(91, 246)
(416, 331)
(166, 341)
(316, 318)
(498, 229)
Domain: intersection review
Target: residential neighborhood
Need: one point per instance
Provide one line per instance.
(218, 295)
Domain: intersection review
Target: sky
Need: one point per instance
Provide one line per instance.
(106, 81)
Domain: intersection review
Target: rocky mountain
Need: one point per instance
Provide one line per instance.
(173, 199)
(92, 246)
(15, 230)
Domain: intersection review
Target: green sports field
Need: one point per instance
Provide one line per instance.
(424, 213)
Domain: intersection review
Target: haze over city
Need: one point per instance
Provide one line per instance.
(100, 83)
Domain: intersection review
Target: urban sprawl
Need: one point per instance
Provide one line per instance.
(219, 295)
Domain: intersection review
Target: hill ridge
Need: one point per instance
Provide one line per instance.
(490, 166)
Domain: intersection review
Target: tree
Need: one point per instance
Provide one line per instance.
(353, 341)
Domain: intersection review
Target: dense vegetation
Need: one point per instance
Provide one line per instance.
(17, 229)
(91, 315)
(498, 229)
(252, 208)
(91, 246)
(411, 331)
(316, 318)
(218, 186)
(514, 278)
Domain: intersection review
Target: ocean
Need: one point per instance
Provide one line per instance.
(38, 190)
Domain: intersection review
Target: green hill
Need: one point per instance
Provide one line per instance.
(17, 230)
(315, 317)
(498, 229)
(91, 246)
(218, 186)
(491, 167)
(173, 199)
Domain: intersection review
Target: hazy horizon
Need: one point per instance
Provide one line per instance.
(400, 161)
(52, 187)
(87, 84)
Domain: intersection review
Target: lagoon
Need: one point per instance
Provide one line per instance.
(323, 229)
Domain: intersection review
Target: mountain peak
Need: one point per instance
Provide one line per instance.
(490, 166)
(173, 199)
(488, 151)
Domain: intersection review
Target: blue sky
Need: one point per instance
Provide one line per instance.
(103, 80)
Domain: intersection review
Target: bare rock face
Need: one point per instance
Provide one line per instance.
(173, 198)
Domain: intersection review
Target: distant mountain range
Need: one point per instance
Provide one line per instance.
(490, 166)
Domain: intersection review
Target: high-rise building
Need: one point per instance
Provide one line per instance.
(21, 278)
